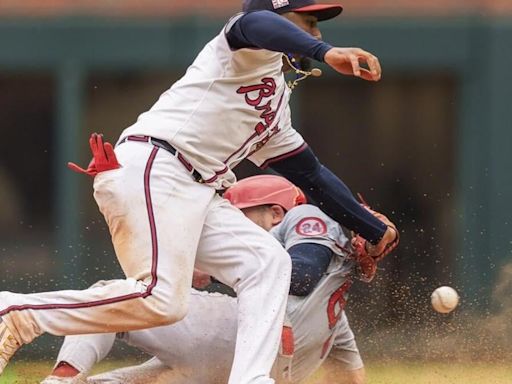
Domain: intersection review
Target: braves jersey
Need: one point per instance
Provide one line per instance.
(230, 105)
(317, 318)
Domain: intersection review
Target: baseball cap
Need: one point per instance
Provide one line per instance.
(265, 190)
(321, 11)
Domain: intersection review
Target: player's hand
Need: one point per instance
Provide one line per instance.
(103, 157)
(388, 242)
(368, 255)
(349, 61)
(200, 279)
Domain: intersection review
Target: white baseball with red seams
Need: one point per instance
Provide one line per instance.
(444, 299)
(230, 105)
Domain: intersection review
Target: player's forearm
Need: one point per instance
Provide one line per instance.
(309, 263)
(332, 195)
(267, 30)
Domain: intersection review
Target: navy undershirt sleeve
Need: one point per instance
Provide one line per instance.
(309, 263)
(268, 30)
(332, 195)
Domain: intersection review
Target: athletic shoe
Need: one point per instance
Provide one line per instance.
(8, 345)
(79, 379)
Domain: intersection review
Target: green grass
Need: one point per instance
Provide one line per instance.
(378, 373)
(33, 372)
(439, 373)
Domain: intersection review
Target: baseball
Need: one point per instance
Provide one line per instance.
(444, 299)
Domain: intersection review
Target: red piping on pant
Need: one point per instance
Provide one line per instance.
(118, 299)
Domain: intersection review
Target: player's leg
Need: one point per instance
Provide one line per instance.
(155, 212)
(356, 376)
(345, 363)
(247, 258)
(335, 372)
(152, 371)
(207, 334)
(80, 353)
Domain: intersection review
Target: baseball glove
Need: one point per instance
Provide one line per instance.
(366, 264)
(368, 255)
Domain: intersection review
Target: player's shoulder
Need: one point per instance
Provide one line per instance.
(308, 220)
(258, 14)
(232, 21)
(304, 211)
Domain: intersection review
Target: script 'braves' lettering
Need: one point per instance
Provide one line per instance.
(266, 89)
(255, 96)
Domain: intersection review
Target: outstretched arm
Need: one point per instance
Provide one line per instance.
(267, 30)
(333, 197)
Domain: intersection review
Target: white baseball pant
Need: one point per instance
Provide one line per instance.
(160, 219)
(199, 349)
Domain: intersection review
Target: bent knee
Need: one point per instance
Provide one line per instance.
(164, 312)
(275, 263)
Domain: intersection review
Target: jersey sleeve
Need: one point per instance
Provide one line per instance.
(345, 349)
(308, 224)
(285, 142)
(231, 22)
(304, 170)
(267, 30)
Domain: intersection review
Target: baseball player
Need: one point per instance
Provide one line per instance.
(203, 343)
(231, 104)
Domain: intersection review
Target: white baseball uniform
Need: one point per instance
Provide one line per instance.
(199, 349)
(230, 105)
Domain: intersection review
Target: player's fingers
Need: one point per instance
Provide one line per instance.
(93, 144)
(99, 140)
(100, 157)
(374, 66)
(76, 168)
(110, 154)
(367, 75)
(356, 69)
(359, 52)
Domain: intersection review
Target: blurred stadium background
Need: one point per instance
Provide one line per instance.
(429, 144)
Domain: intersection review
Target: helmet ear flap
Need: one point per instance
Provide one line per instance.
(301, 197)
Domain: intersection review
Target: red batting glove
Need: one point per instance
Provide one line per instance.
(91, 169)
(103, 157)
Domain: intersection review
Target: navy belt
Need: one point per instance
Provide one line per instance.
(169, 148)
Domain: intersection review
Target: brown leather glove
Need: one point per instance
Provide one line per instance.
(367, 254)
